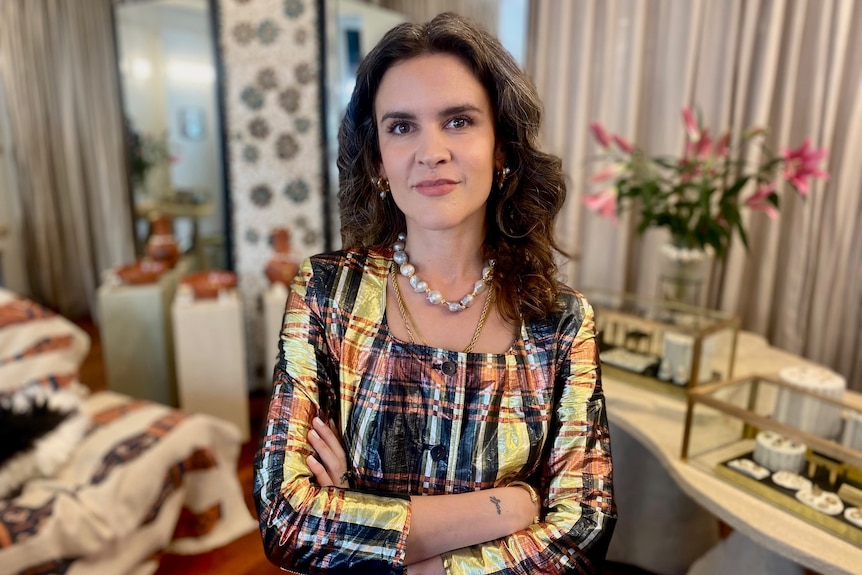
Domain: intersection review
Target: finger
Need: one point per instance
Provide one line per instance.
(335, 466)
(320, 474)
(335, 456)
(329, 434)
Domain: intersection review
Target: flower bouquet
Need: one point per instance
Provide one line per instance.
(699, 195)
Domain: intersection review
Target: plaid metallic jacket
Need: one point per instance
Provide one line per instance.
(418, 420)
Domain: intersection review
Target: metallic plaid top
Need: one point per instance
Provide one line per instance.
(418, 420)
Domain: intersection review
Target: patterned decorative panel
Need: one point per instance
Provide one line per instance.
(272, 64)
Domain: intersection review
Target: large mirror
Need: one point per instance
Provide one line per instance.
(168, 58)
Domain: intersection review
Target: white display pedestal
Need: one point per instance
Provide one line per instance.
(135, 330)
(210, 354)
(274, 300)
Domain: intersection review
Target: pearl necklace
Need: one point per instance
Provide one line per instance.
(408, 270)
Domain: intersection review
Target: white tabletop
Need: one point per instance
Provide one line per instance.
(657, 422)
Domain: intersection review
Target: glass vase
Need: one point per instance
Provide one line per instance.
(683, 274)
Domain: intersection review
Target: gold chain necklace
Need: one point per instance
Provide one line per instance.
(409, 321)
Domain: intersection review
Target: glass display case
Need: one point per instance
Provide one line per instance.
(793, 447)
(662, 345)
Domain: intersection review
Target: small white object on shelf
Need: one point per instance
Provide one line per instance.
(823, 501)
(854, 516)
(626, 359)
(851, 436)
(748, 467)
(777, 453)
(809, 413)
(790, 480)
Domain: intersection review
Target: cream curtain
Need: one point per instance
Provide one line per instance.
(795, 66)
(57, 64)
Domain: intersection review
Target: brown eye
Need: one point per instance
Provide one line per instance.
(399, 128)
(459, 123)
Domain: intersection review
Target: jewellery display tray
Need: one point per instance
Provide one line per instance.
(663, 346)
(722, 422)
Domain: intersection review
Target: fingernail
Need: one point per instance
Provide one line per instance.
(318, 421)
(314, 433)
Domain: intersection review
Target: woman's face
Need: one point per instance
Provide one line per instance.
(437, 143)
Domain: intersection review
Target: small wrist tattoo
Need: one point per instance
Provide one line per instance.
(496, 503)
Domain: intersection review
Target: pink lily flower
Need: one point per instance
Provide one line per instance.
(759, 201)
(763, 192)
(723, 145)
(691, 126)
(600, 134)
(604, 203)
(605, 174)
(624, 144)
(704, 145)
(801, 164)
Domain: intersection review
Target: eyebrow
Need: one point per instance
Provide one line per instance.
(450, 111)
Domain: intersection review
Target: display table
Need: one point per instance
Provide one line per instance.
(655, 422)
(134, 322)
(210, 357)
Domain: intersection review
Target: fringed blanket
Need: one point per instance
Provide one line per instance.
(125, 479)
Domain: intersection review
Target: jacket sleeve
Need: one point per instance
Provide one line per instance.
(305, 527)
(576, 484)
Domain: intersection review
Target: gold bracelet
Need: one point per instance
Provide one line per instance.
(534, 496)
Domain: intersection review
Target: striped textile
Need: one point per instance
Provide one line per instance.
(144, 479)
(413, 425)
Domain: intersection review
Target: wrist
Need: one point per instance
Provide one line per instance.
(534, 497)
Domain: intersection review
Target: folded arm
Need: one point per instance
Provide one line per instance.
(439, 523)
(576, 476)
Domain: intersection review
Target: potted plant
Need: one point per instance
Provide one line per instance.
(145, 153)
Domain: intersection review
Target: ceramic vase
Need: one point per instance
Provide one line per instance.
(282, 265)
(209, 284)
(162, 245)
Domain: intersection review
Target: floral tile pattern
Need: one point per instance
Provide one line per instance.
(261, 195)
(297, 191)
(268, 32)
(271, 60)
(252, 97)
(289, 100)
(250, 153)
(294, 8)
(286, 147)
(259, 128)
(267, 79)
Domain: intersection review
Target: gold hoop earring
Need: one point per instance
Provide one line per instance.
(382, 185)
(500, 176)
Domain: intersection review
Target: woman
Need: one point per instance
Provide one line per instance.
(459, 378)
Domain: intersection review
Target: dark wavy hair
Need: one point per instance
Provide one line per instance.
(520, 216)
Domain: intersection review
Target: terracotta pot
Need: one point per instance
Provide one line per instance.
(162, 245)
(144, 271)
(208, 284)
(282, 266)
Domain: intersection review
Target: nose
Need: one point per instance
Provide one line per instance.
(432, 149)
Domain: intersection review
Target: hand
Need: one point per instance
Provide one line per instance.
(329, 462)
(430, 566)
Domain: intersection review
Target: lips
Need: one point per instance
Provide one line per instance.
(438, 187)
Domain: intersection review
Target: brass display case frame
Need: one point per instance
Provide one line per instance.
(845, 462)
(696, 322)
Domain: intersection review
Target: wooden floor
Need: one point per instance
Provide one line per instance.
(245, 555)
